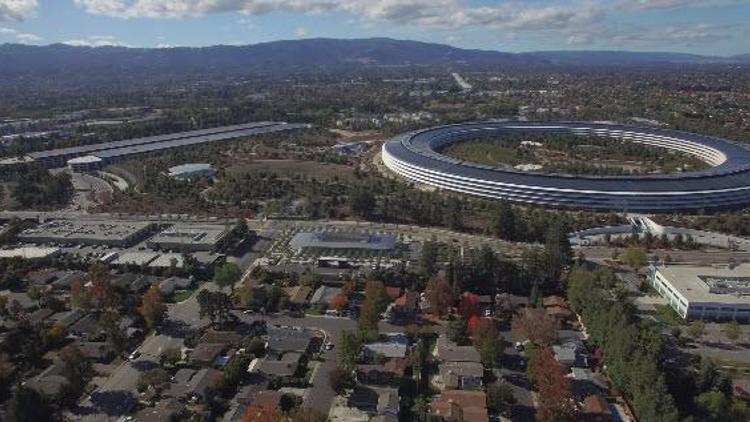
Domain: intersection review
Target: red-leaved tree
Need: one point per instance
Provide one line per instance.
(556, 401)
(469, 305)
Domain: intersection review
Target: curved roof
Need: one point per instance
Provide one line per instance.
(419, 148)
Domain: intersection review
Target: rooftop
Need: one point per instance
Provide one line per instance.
(191, 234)
(189, 168)
(28, 252)
(70, 230)
(716, 284)
(343, 240)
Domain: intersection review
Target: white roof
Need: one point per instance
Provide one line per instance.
(28, 252)
(692, 282)
(88, 159)
(190, 168)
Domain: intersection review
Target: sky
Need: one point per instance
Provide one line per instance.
(711, 27)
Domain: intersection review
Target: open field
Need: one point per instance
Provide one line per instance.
(290, 168)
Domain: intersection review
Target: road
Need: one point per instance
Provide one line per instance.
(600, 253)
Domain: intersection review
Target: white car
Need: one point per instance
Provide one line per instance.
(135, 355)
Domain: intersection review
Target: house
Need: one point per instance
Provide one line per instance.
(169, 285)
(586, 383)
(231, 338)
(50, 382)
(298, 295)
(65, 278)
(389, 402)
(86, 328)
(40, 315)
(389, 374)
(461, 406)
(461, 375)
(67, 318)
(98, 351)
(41, 277)
(565, 355)
(363, 398)
(406, 307)
(286, 365)
(448, 351)
(23, 300)
(596, 409)
(283, 340)
(324, 295)
(204, 354)
(167, 410)
(189, 383)
(393, 345)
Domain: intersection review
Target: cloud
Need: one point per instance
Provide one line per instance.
(439, 14)
(300, 32)
(17, 10)
(21, 37)
(96, 41)
(639, 5)
(684, 35)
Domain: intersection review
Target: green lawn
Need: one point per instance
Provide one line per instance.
(182, 295)
(667, 315)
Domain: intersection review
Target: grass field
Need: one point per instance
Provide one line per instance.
(290, 168)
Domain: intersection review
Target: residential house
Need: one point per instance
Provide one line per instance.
(284, 340)
(67, 318)
(391, 373)
(40, 315)
(461, 406)
(324, 295)
(86, 328)
(393, 345)
(596, 409)
(50, 382)
(298, 295)
(448, 351)
(461, 375)
(285, 366)
(168, 286)
(97, 351)
(167, 410)
(205, 354)
(189, 383)
(406, 307)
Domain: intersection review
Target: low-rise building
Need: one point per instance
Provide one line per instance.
(461, 375)
(448, 351)
(461, 406)
(190, 238)
(393, 346)
(88, 232)
(720, 292)
(191, 171)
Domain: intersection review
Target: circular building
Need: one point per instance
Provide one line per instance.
(724, 185)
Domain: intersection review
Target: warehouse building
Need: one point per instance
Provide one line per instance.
(88, 232)
(720, 292)
(189, 238)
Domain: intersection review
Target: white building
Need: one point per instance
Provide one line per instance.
(191, 171)
(721, 292)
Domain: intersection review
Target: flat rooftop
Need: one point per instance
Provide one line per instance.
(28, 253)
(69, 230)
(191, 234)
(717, 284)
(343, 240)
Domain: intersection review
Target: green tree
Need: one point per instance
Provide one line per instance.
(696, 329)
(504, 223)
(227, 275)
(635, 257)
(117, 339)
(500, 398)
(156, 378)
(732, 330)
(236, 369)
(457, 331)
(349, 350)
(27, 405)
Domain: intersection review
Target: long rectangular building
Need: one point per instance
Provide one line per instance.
(109, 151)
(720, 292)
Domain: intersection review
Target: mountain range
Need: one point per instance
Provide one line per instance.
(106, 64)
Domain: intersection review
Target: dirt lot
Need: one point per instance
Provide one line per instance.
(291, 168)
